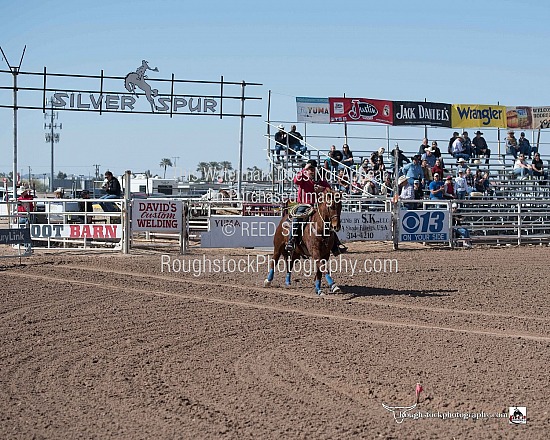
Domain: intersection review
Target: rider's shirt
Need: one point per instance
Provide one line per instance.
(306, 187)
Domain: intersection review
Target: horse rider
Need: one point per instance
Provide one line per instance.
(308, 187)
(140, 71)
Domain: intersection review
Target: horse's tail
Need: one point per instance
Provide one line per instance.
(129, 84)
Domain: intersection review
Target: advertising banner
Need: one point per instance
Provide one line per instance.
(426, 226)
(478, 115)
(75, 231)
(421, 113)
(226, 231)
(519, 117)
(313, 110)
(157, 215)
(15, 236)
(541, 117)
(361, 110)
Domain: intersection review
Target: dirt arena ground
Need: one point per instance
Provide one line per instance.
(112, 346)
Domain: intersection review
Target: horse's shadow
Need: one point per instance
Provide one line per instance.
(352, 292)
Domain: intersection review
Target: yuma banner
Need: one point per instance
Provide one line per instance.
(478, 115)
(361, 110)
(421, 113)
(541, 117)
(313, 110)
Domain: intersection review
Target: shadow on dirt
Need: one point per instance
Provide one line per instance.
(352, 292)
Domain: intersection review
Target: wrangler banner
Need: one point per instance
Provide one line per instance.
(360, 110)
(478, 115)
(421, 113)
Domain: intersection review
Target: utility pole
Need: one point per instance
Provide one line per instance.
(175, 161)
(14, 71)
(96, 171)
(51, 136)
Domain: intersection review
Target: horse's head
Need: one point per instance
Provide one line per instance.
(332, 200)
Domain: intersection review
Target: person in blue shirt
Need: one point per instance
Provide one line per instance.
(414, 170)
(525, 145)
(436, 188)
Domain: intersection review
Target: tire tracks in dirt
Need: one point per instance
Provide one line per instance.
(276, 308)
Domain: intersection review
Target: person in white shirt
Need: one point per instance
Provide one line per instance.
(461, 187)
(458, 149)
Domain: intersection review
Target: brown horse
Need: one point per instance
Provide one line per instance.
(318, 237)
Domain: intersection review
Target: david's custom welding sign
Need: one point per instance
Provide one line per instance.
(478, 115)
(157, 215)
(312, 110)
(429, 225)
(15, 236)
(436, 114)
(76, 231)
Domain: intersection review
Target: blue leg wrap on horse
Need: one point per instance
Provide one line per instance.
(317, 285)
(270, 275)
(287, 279)
(329, 279)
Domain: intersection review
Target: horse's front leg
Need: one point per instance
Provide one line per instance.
(324, 268)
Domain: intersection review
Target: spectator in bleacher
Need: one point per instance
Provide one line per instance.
(449, 191)
(418, 191)
(461, 165)
(379, 166)
(294, 144)
(467, 144)
(458, 230)
(436, 188)
(487, 186)
(365, 168)
(332, 163)
(371, 187)
(524, 145)
(437, 168)
(414, 170)
(470, 179)
(481, 147)
(478, 181)
(386, 189)
(406, 190)
(280, 141)
(376, 155)
(461, 187)
(537, 166)
(347, 156)
(423, 146)
(428, 176)
(342, 182)
(459, 152)
(512, 147)
(522, 168)
(400, 158)
(356, 188)
(437, 152)
(429, 157)
(451, 141)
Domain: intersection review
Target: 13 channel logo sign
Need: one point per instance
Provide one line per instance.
(429, 225)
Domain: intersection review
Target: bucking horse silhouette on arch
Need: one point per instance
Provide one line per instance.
(137, 79)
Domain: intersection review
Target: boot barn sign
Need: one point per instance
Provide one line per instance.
(139, 91)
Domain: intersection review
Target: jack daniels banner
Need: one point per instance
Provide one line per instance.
(421, 113)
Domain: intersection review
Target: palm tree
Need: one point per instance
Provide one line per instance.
(226, 165)
(201, 168)
(165, 163)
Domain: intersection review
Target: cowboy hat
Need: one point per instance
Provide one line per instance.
(402, 180)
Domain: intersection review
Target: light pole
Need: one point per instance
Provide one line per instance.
(52, 137)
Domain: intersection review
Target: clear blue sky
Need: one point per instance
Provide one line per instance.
(466, 52)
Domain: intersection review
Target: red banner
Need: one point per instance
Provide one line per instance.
(360, 110)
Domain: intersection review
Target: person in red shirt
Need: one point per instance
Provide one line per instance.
(308, 187)
(24, 205)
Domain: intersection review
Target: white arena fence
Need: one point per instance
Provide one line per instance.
(58, 223)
